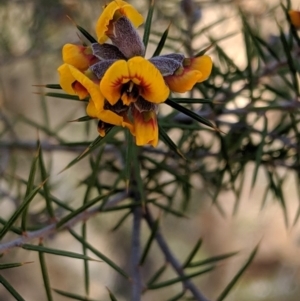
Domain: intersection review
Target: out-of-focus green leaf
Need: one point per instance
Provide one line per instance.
(45, 275)
(148, 23)
(44, 177)
(65, 96)
(193, 253)
(157, 274)
(81, 209)
(229, 287)
(210, 260)
(177, 297)
(86, 34)
(4, 266)
(99, 254)
(112, 297)
(162, 42)
(178, 279)
(11, 290)
(72, 295)
(121, 221)
(168, 141)
(189, 113)
(19, 210)
(29, 188)
(259, 153)
(55, 252)
(95, 144)
(149, 242)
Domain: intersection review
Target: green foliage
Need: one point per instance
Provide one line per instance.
(210, 139)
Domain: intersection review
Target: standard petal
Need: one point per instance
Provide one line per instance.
(114, 78)
(117, 6)
(149, 79)
(126, 38)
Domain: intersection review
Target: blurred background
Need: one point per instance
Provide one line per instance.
(32, 34)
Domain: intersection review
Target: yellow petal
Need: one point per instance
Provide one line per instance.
(80, 90)
(69, 83)
(107, 16)
(66, 79)
(195, 70)
(203, 64)
(90, 86)
(111, 84)
(184, 82)
(78, 56)
(295, 17)
(146, 127)
(149, 79)
(132, 14)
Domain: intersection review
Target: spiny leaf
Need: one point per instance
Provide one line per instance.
(4, 266)
(178, 279)
(44, 176)
(161, 43)
(259, 152)
(170, 210)
(203, 51)
(99, 254)
(11, 290)
(213, 259)
(290, 61)
(189, 113)
(72, 295)
(112, 297)
(148, 23)
(95, 144)
(191, 100)
(238, 275)
(82, 119)
(168, 141)
(55, 252)
(81, 209)
(129, 158)
(149, 242)
(163, 166)
(45, 129)
(12, 228)
(157, 274)
(138, 176)
(121, 221)
(29, 188)
(45, 275)
(178, 296)
(19, 210)
(193, 253)
(86, 34)
(65, 96)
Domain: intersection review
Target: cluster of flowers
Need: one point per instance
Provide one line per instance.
(124, 88)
